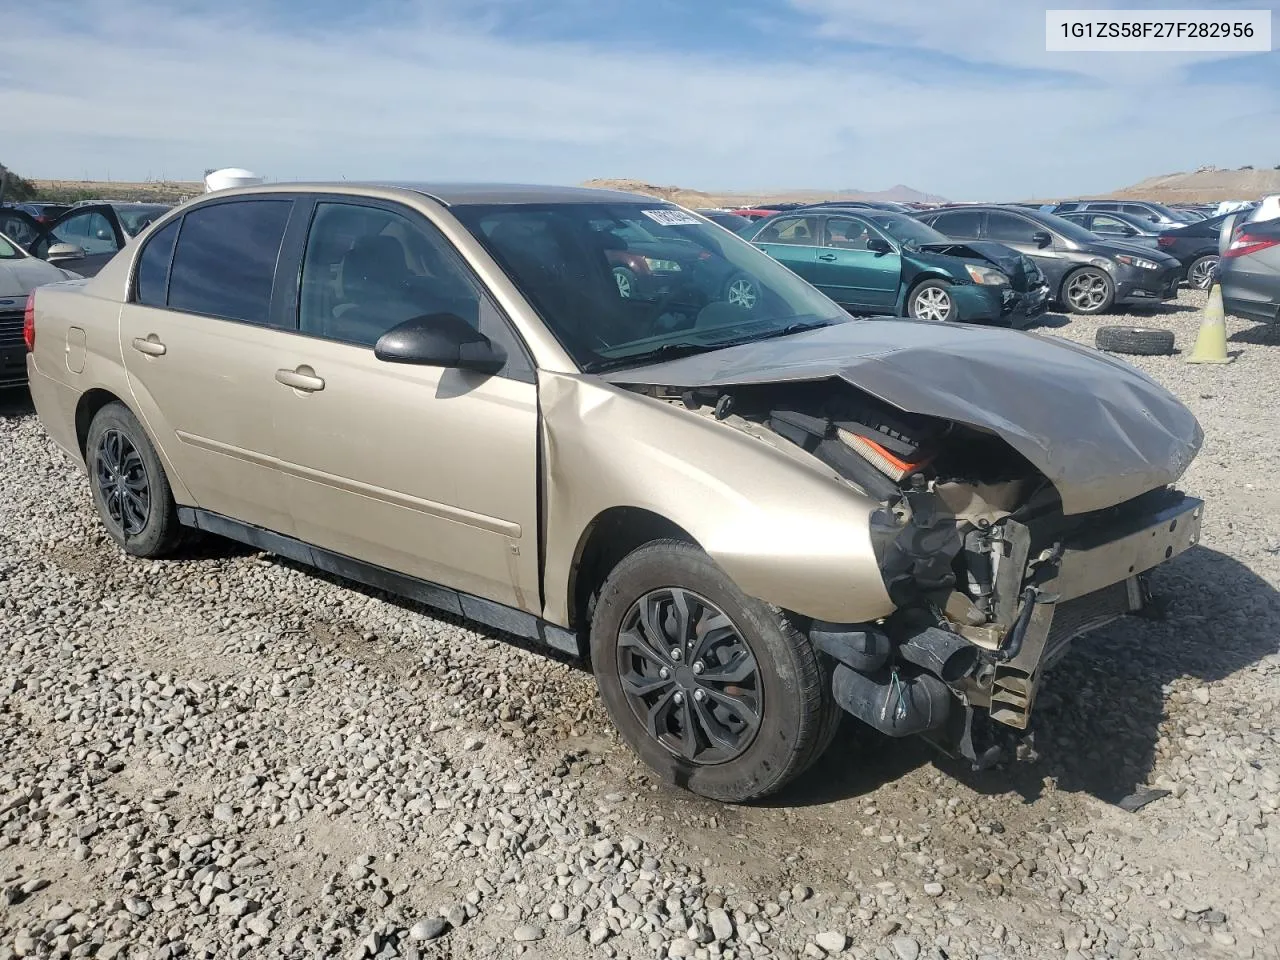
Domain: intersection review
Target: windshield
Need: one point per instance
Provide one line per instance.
(136, 219)
(907, 230)
(623, 283)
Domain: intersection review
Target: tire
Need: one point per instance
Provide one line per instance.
(1140, 341)
(931, 300)
(789, 686)
(1096, 291)
(742, 291)
(628, 283)
(125, 474)
(1200, 271)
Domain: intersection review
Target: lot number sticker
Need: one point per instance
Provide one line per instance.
(671, 218)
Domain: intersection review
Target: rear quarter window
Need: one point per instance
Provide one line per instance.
(153, 267)
(225, 262)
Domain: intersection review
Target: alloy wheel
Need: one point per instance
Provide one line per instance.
(932, 303)
(625, 287)
(689, 676)
(742, 293)
(122, 481)
(1087, 290)
(1201, 276)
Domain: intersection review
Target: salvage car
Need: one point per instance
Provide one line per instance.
(871, 261)
(1156, 213)
(1117, 226)
(1086, 273)
(1250, 272)
(20, 273)
(87, 234)
(751, 518)
(1195, 246)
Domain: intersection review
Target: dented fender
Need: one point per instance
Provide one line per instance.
(784, 530)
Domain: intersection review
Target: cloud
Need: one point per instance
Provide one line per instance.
(504, 89)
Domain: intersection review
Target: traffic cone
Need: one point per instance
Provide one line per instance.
(1211, 343)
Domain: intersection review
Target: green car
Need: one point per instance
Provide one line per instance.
(878, 262)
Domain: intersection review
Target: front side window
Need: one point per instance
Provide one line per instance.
(620, 283)
(367, 269)
(92, 232)
(844, 233)
(795, 230)
(1005, 226)
(225, 262)
(1111, 226)
(153, 267)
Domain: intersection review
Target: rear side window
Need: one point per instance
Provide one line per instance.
(1005, 226)
(958, 223)
(802, 231)
(225, 262)
(153, 267)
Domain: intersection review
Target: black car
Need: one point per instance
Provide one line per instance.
(1195, 246)
(1086, 274)
(43, 212)
(1148, 210)
(730, 221)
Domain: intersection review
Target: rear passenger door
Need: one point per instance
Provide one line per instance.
(427, 471)
(201, 345)
(793, 242)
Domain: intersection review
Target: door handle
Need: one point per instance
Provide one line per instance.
(151, 346)
(303, 378)
(826, 256)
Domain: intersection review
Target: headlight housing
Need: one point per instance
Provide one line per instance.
(661, 266)
(1142, 263)
(986, 276)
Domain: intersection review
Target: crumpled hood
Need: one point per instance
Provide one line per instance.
(1013, 264)
(1100, 430)
(20, 277)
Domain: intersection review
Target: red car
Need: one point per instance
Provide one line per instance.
(754, 213)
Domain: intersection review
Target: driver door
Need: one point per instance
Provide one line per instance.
(94, 228)
(427, 471)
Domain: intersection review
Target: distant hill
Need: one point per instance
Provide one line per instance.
(1206, 185)
(700, 198)
(154, 191)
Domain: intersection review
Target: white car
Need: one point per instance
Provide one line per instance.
(20, 273)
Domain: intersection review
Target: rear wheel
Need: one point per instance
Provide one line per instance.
(931, 300)
(713, 689)
(742, 292)
(130, 490)
(1200, 271)
(1088, 290)
(628, 285)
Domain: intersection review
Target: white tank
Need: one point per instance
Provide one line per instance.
(229, 177)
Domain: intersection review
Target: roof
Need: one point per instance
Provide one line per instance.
(452, 194)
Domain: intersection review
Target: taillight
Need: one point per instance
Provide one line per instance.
(1245, 244)
(29, 322)
(1165, 241)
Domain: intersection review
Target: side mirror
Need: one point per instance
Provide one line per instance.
(878, 245)
(440, 340)
(104, 235)
(1042, 238)
(64, 251)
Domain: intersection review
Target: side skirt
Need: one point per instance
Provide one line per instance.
(491, 614)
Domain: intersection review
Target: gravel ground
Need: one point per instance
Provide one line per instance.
(229, 756)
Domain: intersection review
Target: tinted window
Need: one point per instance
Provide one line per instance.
(795, 230)
(153, 266)
(1070, 205)
(1104, 206)
(226, 259)
(1006, 226)
(846, 234)
(368, 269)
(958, 223)
(1110, 226)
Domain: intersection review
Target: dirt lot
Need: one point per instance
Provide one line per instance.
(229, 756)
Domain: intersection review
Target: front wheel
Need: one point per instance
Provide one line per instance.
(130, 490)
(932, 300)
(713, 689)
(1088, 290)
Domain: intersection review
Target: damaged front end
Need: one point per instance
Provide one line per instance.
(995, 552)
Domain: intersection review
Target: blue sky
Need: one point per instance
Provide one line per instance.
(957, 97)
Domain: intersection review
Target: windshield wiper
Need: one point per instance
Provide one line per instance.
(668, 351)
(786, 331)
